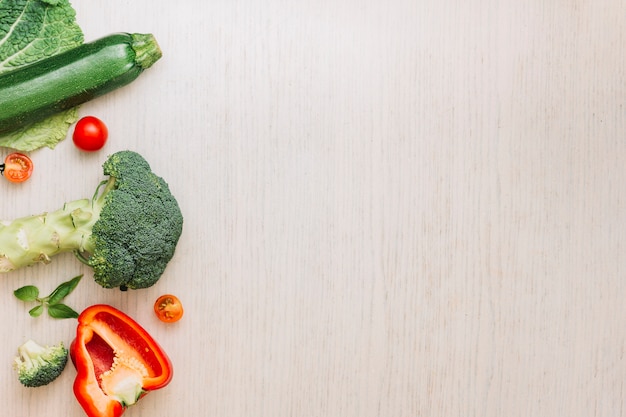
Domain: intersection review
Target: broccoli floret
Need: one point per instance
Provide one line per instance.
(127, 232)
(38, 365)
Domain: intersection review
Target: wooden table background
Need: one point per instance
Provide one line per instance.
(392, 208)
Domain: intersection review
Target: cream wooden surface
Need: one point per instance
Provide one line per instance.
(392, 208)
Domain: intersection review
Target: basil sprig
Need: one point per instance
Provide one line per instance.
(53, 302)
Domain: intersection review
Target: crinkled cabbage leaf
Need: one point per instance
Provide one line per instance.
(29, 31)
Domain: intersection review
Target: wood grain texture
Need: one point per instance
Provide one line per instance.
(401, 208)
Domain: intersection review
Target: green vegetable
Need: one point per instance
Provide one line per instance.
(38, 365)
(67, 80)
(31, 30)
(127, 232)
(56, 309)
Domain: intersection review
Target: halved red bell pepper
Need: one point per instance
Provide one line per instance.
(116, 360)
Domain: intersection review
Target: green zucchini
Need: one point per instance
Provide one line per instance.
(60, 82)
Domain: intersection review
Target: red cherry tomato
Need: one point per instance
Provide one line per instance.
(17, 167)
(90, 134)
(168, 308)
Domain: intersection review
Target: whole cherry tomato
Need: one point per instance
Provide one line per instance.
(90, 134)
(17, 167)
(168, 308)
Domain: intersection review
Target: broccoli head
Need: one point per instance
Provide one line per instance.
(127, 232)
(38, 365)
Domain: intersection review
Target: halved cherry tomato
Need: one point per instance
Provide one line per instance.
(17, 167)
(90, 134)
(168, 308)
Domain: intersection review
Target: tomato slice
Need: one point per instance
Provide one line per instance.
(17, 167)
(168, 308)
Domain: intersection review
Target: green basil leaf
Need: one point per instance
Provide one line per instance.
(62, 311)
(63, 290)
(36, 311)
(27, 293)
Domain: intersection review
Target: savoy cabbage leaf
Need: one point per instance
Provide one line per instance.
(31, 30)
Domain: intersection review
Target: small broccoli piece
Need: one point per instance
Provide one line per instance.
(127, 232)
(38, 365)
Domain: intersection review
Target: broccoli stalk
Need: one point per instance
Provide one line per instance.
(38, 365)
(126, 232)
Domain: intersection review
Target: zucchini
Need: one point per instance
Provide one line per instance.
(60, 82)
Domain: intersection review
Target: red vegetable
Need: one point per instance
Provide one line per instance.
(116, 360)
(90, 134)
(168, 308)
(17, 167)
